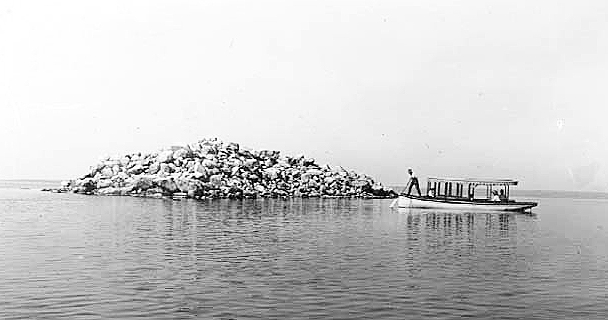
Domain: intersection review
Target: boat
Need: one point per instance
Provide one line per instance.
(448, 193)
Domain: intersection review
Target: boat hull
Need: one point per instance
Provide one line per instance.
(453, 204)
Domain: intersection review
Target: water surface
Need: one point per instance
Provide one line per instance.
(86, 257)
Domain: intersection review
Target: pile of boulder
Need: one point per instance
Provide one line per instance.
(213, 169)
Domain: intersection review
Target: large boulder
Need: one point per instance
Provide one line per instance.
(271, 173)
(103, 183)
(250, 163)
(379, 191)
(124, 161)
(143, 183)
(109, 191)
(209, 163)
(154, 168)
(260, 188)
(181, 153)
(268, 154)
(167, 184)
(85, 185)
(216, 180)
(165, 168)
(183, 184)
(360, 183)
(111, 162)
(165, 156)
(308, 162)
(207, 148)
(137, 169)
(233, 147)
(198, 169)
(194, 147)
(107, 172)
(314, 172)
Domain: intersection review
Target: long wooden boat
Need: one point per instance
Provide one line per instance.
(444, 193)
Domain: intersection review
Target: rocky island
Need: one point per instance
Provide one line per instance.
(210, 169)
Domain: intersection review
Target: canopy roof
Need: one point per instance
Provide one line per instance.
(492, 182)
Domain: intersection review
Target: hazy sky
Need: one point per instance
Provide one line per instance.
(499, 89)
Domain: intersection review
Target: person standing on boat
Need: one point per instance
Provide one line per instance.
(412, 182)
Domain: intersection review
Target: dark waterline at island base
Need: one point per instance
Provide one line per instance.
(82, 257)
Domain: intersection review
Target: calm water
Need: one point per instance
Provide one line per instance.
(71, 256)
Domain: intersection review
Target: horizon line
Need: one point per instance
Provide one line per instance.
(387, 185)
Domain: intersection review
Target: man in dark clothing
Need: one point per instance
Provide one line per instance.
(413, 182)
(502, 195)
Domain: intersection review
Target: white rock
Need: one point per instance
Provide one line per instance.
(154, 167)
(107, 172)
(207, 149)
(209, 163)
(104, 183)
(137, 169)
(235, 170)
(124, 161)
(165, 156)
(109, 191)
(272, 173)
(196, 147)
(198, 167)
(282, 163)
(216, 179)
(111, 163)
(120, 176)
(250, 163)
(234, 147)
(167, 184)
(259, 188)
(181, 153)
(165, 168)
(314, 172)
(360, 183)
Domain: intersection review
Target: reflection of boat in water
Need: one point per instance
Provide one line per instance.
(449, 194)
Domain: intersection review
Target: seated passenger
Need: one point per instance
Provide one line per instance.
(495, 196)
(502, 196)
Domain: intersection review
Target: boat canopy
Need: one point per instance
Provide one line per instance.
(478, 182)
(455, 188)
